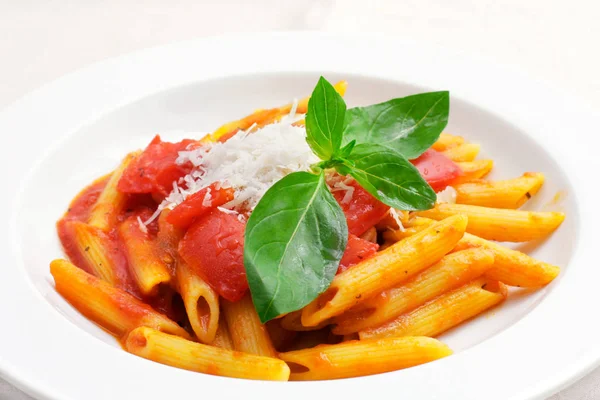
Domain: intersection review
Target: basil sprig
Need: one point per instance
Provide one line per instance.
(297, 234)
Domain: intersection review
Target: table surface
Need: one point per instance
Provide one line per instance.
(555, 41)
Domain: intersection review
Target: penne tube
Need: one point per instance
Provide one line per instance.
(247, 333)
(360, 358)
(511, 193)
(450, 272)
(462, 152)
(511, 267)
(261, 118)
(385, 269)
(444, 312)
(92, 244)
(500, 224)
(181, 353)
(293, 322)
(113, 309)
(446, 141)
(111, 202)
(147, 267)
(222, 336)
(471, 170)
(201, 303)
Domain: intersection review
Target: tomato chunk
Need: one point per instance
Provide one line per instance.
(437, 169)
(362, 211)
(155, 170)
(357, 250)
(213, 247)
(198, 204)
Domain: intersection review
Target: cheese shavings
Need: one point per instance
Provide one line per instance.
(250, 163)
(447, 195)
(341, 183)
(396, 218)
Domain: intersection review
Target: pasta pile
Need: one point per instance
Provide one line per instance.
(435, 270)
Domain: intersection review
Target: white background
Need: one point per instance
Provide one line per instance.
(552, 41)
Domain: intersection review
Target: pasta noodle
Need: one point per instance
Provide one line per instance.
(511, 267)
(181, 353)
(111, 201)
(114, 310)
(444, 312)
(148, 269)
(247, 333)
(348, 359)
(512, 193)
(201, 303)
(450, 272)
(500, 224)
(447, 141)
(463, 152)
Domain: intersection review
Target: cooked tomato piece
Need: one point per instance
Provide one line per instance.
(357, 250)
(198, 204)
(437, 169)
(213, 247)
(155, 170)
(362, 211)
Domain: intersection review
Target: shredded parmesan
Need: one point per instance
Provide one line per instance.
(250, 163)
(447, 195)
(207, 198)
(143, 227)
(396, 217)
(340, 183)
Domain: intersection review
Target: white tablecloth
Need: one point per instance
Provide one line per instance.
(555, 41)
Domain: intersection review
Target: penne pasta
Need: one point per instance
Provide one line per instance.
(360, 358)
(247, 333)
(500, 224)
(446, 141)
(111, 202)
(293, 322)
(113, 309)
(148, 268)
(181, 353)
(201, 303)
(450, 272)
(471, 170)
(385, 269)
(511, 267)
(444, 312)
(511, 193)
(222, 336)
(92, 244)
(463, 152)
(261, 118)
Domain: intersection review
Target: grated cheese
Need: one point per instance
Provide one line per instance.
(396, 216)
(447, 195)
(143, 227)
(250, 163)
(338, 183)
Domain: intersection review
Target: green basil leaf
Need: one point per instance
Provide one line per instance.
(294, 241)
(390, 177)
(325, 120)
(409, 125)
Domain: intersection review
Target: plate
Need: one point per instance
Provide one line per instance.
(77, 128)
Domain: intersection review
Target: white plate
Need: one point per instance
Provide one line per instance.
(60, 137)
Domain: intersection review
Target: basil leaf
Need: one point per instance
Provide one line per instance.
(390, 177)
(409, 125)
(325, 120)
(294, 242)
